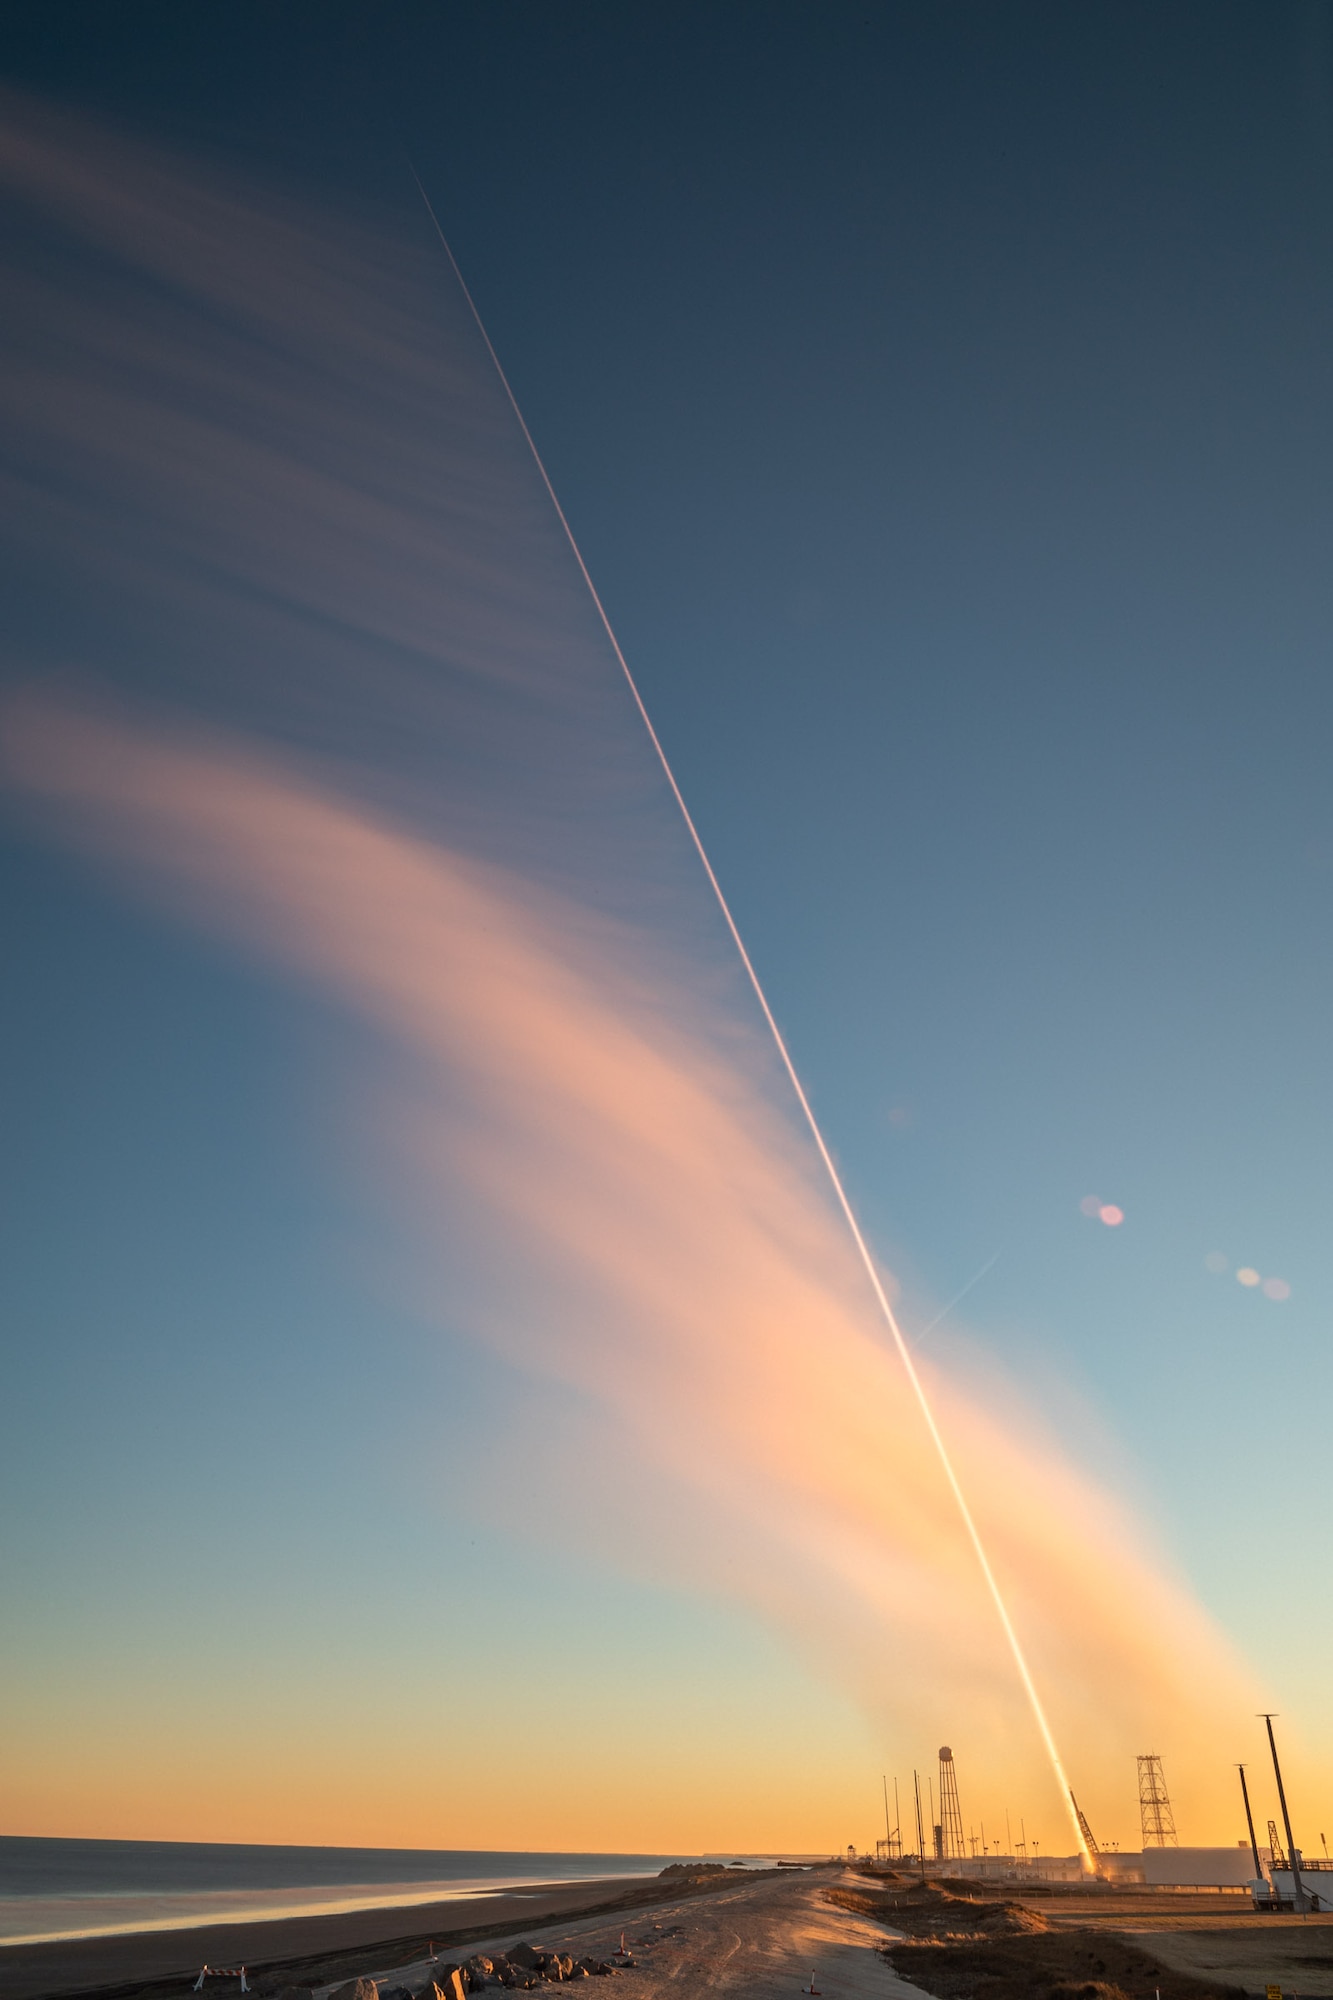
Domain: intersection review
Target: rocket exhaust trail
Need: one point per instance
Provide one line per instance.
(835, 1179)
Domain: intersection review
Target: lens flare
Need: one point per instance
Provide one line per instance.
(1111, 1215)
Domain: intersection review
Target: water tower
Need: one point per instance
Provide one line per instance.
(952, 1846)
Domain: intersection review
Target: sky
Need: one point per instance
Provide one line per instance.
(442, 1406)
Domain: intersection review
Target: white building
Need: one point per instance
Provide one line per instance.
(1199, 1867)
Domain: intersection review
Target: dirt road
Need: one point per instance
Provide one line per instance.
(1215, 1938)
(756, 1940)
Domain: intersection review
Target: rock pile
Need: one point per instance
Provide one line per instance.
(695, 1874)
(524, 1968)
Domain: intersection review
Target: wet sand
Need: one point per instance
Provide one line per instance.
(169, 1961)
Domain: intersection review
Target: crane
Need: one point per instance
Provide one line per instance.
(1089, 1838)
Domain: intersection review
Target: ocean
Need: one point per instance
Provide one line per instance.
(97, 1888)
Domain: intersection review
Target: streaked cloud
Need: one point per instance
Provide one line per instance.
(336, 694)
(644, 1228)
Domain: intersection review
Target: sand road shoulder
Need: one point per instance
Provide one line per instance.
(756, 1940)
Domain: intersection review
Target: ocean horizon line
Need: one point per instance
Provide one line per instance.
(56, 1888)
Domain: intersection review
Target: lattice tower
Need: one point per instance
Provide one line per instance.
(1275, 1846)
(952, 1846)
(1156, 1818)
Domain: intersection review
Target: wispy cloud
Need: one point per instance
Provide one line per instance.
(252, 456)
(643, 1226)
(262, 479)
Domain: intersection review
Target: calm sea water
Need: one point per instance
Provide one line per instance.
(94, 1888)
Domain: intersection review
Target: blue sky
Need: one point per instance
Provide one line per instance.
(940, 402)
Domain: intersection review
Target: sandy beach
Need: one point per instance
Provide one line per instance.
(169, 1961)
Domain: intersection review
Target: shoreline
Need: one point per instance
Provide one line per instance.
(304, 1951)
(362, 1901)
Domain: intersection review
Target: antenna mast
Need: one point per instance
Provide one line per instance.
(1249, 1821)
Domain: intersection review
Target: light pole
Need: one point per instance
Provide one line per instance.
(1249, 1821)
(1298, 1895)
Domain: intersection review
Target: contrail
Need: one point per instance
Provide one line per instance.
(863, 1249)
(958, 1298)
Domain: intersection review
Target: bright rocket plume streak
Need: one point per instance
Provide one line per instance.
(849, 1213)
